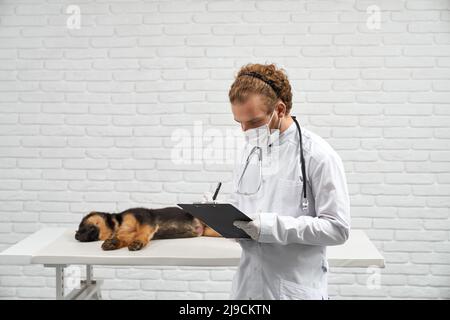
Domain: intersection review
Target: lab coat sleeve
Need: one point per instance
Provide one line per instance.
(330, 226)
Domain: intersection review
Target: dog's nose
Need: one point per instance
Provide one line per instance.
(76, 235)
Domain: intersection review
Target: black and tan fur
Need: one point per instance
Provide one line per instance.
(135, 227)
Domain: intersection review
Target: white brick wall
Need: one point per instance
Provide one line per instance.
(87, 116)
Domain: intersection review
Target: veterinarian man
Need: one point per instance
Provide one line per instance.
(286, 255)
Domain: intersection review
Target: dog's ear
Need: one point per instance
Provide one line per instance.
(108, 224)
(109, 221)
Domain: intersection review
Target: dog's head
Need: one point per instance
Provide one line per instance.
(95, 226)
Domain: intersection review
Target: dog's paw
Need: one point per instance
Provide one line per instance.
(135, 245)
(111, 244)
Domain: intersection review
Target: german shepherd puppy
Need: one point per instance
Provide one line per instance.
(135, 227)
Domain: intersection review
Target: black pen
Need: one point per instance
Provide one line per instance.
(217, 191)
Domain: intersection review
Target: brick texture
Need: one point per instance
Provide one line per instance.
(86, 118)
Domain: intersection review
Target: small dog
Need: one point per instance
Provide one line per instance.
(135, 227)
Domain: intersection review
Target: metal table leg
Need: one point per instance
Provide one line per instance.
(89, 288)
(60, 282)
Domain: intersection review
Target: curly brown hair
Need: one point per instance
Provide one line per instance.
(244, 86)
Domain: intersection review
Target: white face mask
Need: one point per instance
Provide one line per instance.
(262, 136)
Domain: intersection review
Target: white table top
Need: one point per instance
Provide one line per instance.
(58, 246)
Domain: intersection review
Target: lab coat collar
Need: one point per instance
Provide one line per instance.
(288, 134)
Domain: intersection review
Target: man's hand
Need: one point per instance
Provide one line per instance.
(252, 228)
(207, 197)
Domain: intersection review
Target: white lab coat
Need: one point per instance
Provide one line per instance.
(289, 259)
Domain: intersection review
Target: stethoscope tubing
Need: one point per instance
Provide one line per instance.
(302, 161)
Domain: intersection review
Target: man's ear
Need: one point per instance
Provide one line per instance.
(281, 109)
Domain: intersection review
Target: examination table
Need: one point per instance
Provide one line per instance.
(57, 248)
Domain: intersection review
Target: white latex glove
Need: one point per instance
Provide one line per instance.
(252, 228)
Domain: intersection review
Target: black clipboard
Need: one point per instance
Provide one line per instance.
(219, 216)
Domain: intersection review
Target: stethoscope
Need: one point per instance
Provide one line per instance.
(258, 151)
